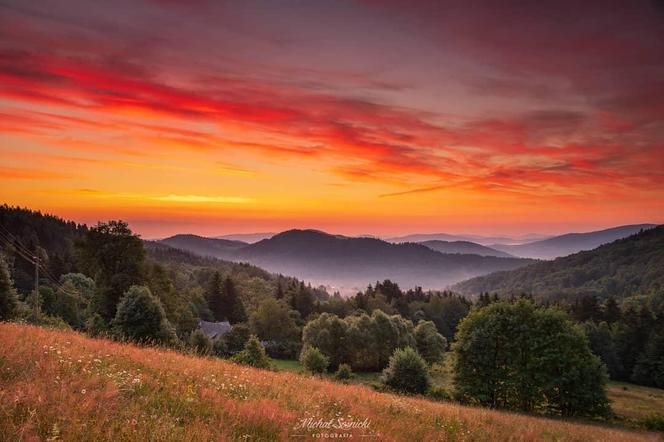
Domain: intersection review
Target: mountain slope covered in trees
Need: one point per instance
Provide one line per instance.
(200, 245)
(464, 247)
(357, 262)
(623, 268)
(569, 243)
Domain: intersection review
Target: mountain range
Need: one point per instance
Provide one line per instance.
(628, 266)
(349, 263)
(569, 243)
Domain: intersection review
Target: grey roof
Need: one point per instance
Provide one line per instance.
(214, 329)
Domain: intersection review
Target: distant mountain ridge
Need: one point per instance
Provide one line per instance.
(464, 247)
(569, 243)
(350, 262)
(249, 238)
(625, 267)
(478, 239)
(200, 245)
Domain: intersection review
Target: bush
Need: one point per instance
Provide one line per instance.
(200, 342)
(236, 339)
(430, 344)
(253, 354)
(314, 361)
(219, 347)
(654, 422)
(344, 372)
(95, 325)
(140, 317)
(283, 349)
(407, 372)
(439, 394)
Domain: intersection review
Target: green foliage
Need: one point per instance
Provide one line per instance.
(618, 269)
(272, 321)
(600, 338)
(115, 257)
(344, 372)
(366, 342)
(219, 348)
(649, 368)
(314, 361)
(327, 333)
(407, 372)
(8, 299)
(235, 339)
(95, 325)
(253, 354)
(522, 357)
(140, 317)
(430, 344)
(200, 342)
(224, 301)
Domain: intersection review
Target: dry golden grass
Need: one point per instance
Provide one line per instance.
(635, 402)
(62, 385)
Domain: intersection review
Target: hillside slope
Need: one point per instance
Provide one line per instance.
(569, 243)
(200, 245)
(464, 247)
(357, 262)
(622, 268)
(60, 385)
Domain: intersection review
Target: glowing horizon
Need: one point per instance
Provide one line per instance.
(351, 117)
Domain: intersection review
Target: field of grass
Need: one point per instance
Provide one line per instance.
(638, 405)
(634, 406)
(58, 385)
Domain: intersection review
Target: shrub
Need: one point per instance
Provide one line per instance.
(653, 422)
(200, 342)
(95, 325)
(344, 372)
(439, 394)
(407, 372)
(236, 339)
(253, 354)
(314, 361)
(219, 347)
(140, 317)
(430, 344)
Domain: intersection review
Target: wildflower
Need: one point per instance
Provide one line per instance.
(83, 391)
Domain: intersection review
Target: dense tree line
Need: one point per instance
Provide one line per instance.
(366, 342)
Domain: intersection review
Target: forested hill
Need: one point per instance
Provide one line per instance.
(25, 233)
(356, 262)
(625, 267)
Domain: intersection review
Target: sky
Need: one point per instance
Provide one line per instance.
(354, 117)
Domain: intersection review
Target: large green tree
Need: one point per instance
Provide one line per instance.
(524, 357)
(272, 321)
(114, 257)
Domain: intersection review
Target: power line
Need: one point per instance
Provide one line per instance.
(26, 254)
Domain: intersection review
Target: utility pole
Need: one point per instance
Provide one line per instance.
(35, 298)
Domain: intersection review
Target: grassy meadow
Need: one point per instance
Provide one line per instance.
(60, 385)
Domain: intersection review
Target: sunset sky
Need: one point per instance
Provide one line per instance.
(354, 117)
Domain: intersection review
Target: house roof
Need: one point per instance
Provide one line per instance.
(214, 329)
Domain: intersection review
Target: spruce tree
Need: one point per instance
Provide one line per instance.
(8, 299)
